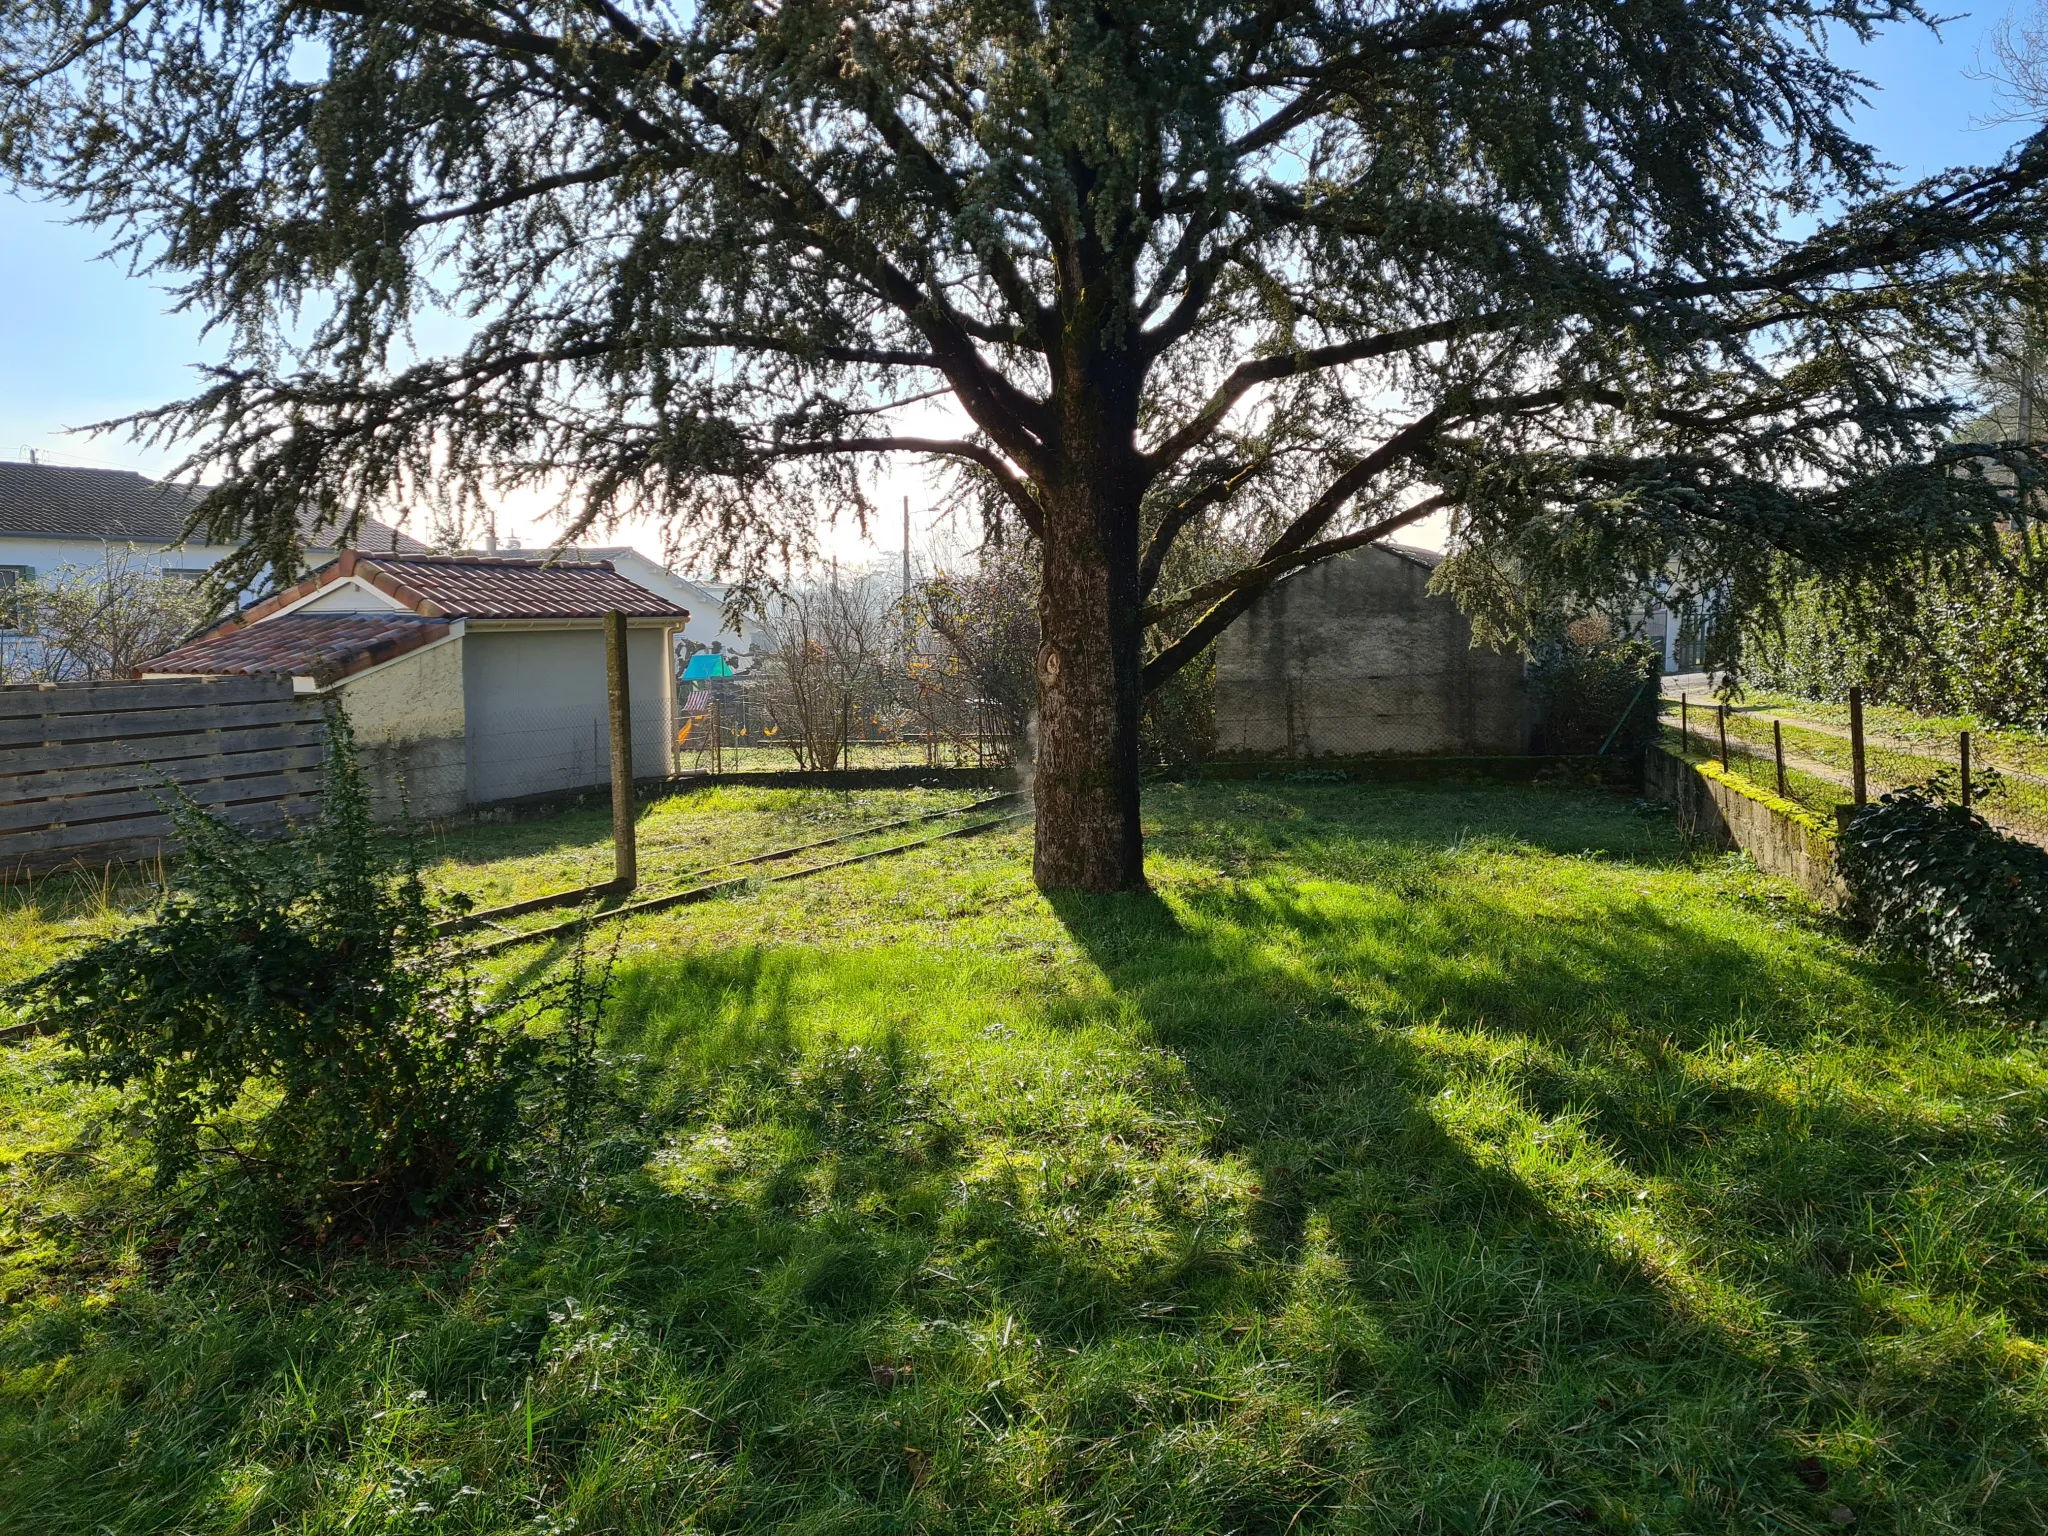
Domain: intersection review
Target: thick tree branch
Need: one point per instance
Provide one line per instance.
(1411, 441)
(1177, 519)
(1286, 365)
(1266, 572)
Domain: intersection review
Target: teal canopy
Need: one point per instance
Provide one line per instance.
(706, 664)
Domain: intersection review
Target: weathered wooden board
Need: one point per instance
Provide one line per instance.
(32, 762)
(53, 789)
(77, 810)
(83, 767)
(113, 842)
(22, 699)
(138, 725)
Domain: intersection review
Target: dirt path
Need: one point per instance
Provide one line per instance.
(1900, 744)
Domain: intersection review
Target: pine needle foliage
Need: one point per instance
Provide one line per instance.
(1186, 271)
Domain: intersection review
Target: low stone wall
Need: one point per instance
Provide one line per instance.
(1784, 839)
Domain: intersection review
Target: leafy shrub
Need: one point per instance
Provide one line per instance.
(1586, 687)
(1940, 882)
(1969, 637)
(290, 1009)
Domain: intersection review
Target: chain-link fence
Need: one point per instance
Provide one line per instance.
(1810, 754)
(734, 728)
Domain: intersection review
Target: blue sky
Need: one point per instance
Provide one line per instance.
(81, 340)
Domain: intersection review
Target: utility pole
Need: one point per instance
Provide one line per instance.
(908, 638)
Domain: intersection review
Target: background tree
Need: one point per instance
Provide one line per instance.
(84, 622)
(829, 671)
(983, 619)
(1176, 264)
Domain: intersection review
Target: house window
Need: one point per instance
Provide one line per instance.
(12, 579)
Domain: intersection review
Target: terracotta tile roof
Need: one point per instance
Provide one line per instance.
(495, 587)
(58, 501)
(486, 587)
(325, 646)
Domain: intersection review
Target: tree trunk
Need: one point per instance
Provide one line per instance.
(1090, 690)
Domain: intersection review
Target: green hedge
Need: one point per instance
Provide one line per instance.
(1965, 639)
(1590, 696)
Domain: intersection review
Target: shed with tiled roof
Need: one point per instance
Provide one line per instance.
(469, 680)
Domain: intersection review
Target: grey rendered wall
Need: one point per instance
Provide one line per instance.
(1354, 657)
(537, 711)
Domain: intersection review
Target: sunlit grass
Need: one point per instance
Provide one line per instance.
(1417, 1159)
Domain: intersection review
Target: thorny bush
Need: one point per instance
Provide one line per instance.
(289, 1017)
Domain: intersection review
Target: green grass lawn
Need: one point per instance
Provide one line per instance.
(1418, 1159)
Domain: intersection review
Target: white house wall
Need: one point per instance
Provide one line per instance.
(538, 716)
(411, 732)
(43, 556)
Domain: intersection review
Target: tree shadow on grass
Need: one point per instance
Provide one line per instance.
(1690, 1344)
(1319, 1212)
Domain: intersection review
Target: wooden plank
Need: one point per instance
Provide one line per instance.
(139, 725)
(17, 863)
(35, 788)
(16, 846)
(77, 809)
(118, 752)
(126, 693)
(94, 858)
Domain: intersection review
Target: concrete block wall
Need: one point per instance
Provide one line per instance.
(1356, 657)
(409, 726)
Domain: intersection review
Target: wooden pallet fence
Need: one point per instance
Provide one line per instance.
(86, 768)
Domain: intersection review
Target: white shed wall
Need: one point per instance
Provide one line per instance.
(537, 713)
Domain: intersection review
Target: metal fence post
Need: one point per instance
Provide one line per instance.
(1862, 786)
(625, 856)
(1966, 769)
(1778, 751)
(1684, 724)
(1721, 720)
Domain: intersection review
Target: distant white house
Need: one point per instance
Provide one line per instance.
(709, 627)
(469, 680)
(55, 516)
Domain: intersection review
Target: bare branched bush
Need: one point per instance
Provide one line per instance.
(829, 675)
(972, 677)
(82, 623)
